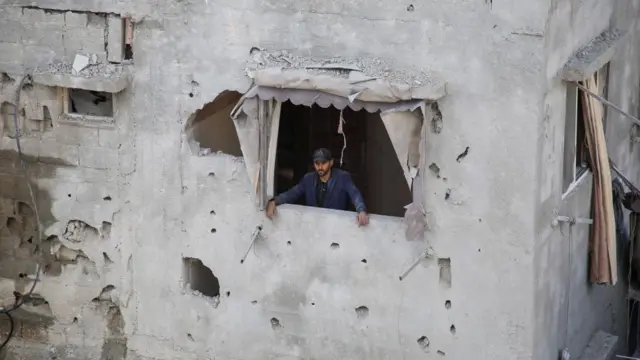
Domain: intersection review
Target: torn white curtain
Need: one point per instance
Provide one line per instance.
(403, 128)
(324, 100)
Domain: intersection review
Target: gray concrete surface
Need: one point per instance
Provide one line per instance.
(124, 202)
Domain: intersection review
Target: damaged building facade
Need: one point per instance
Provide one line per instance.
(153, 132)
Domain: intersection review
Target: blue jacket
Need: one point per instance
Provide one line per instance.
(340, 190)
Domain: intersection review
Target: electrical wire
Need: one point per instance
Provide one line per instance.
(20, 300)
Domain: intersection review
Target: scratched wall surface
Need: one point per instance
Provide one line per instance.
(134, 204)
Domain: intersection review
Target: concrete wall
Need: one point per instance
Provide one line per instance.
(165, 207)
(570, 310)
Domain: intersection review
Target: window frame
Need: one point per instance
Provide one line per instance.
(86, 120)
(573, 173)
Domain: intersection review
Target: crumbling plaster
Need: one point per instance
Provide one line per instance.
(492, 55)
(570, 310)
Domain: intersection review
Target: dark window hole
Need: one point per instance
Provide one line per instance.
(364, 261)
(107, 198)
(452, 329)
(447, 304)
(362, 312)
(335, 246)
(200, 278)
(128, 52)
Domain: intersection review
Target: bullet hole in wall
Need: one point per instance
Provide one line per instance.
(107, 198)
(410, 8)
(190, 94)
(189, 337)
(364, 261)
(452, 329)
(200, 278)
(447, 304)
(275, 324)
(441, 353)
(424, 343)
(362, 312)
(254, 302)
(212, 174)
(335, 246)
(106, 258)
(463, 154)
(228, 293)
(68, 195)
(289, 243)
(5, 78)
(447, 194)
(313, 304)
(213, 231)
(435, 170)
(212, 212)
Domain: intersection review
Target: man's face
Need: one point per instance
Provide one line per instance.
(322, 167)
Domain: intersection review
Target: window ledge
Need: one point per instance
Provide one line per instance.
(378, 222)
(110, 78)
(593, 56)
(104, 122)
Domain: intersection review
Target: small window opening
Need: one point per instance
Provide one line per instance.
(211, 128)
(200, 278)
(87, 102)
(369, 155)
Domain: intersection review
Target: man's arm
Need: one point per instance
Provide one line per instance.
(354, 194)
(290, 196)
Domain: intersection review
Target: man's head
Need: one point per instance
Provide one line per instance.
(322, 161)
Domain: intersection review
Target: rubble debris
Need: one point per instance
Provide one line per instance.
(370, 67)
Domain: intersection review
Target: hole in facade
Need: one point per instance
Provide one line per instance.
(452, 329)
(364, 261)
(213, 231)
(275, 324)
(424, 343)
(445, 272)
(189, 337)
(199, 278)
(362, 312)
(211, 128)
(228, 293)
(335, 246)
(441, 353)
(88, 102)
(289, 243)
(447, 304)
(107, 198)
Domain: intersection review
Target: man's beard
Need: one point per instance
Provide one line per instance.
(321, 173)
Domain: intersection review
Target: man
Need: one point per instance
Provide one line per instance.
(326, 188)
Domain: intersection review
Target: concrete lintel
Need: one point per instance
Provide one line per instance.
(602, 346)
(593, 56)
(111, 84)
(111, 78)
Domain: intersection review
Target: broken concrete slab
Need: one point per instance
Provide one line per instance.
(602, 346)
(80, 62)
(593, 56)
(115, 39)
(111, 78)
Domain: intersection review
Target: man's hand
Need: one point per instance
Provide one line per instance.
(362, 218)
(271, 209)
